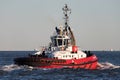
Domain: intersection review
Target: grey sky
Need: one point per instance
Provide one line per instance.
(28, 24)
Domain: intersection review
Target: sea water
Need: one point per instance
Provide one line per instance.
(110, 69)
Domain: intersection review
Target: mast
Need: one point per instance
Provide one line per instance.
(67, 10)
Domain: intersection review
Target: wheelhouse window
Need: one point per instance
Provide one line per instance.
(65, 41)
(59, 42)
(55, 42)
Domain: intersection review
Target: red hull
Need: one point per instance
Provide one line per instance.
(85, 63)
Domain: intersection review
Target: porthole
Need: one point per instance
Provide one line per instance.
(63, 55)
(72, 56)
(81, 55)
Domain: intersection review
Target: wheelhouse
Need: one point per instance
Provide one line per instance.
(60, 40)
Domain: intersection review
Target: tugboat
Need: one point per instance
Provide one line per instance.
(62, 51)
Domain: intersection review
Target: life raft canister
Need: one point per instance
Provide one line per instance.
(74, 49)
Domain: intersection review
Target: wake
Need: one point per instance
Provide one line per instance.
(14, 67)
(11, 67)
(107, 65)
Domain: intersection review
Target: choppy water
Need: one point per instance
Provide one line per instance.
(110, 69)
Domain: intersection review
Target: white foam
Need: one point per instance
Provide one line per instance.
(27, 67)
(9, 67)
(107, 65)
(12, 67)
